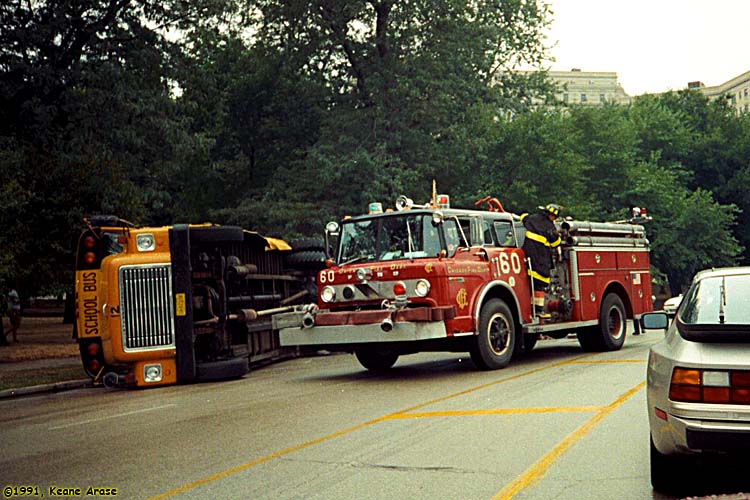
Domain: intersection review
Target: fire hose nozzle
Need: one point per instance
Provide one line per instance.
(386, 325)
(308, 320)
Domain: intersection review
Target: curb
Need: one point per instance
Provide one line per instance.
(38, 389)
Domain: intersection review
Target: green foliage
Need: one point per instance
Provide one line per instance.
(281, 115)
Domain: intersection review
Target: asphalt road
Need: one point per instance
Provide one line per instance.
(557, 424)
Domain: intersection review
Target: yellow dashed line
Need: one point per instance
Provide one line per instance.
(498, 411)
(537, 470)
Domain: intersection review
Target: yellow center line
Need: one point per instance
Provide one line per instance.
(496, 411)
(287, 451)
(538, 469)
(606, 361)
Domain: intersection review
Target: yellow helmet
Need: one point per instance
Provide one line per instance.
(552, 209)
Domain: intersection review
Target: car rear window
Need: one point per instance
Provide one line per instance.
(716, 310)
(719, 300)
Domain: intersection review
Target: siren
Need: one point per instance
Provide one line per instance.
(404, 203)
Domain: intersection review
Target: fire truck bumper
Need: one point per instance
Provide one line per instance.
(360, 327)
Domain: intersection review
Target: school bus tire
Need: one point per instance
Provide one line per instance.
(301, 244)
(222, 370)
(496, 337)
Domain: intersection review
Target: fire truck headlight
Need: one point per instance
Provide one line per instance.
(145, 242)
(328, 294)
(152, 373)
(422, 288)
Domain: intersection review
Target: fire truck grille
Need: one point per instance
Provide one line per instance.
(147, 314)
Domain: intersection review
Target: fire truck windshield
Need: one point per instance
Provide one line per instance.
(407, 236)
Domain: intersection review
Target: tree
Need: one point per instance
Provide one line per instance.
(87, 124)
(408, 84)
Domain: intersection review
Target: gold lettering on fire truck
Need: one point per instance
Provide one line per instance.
(462, 298)
(89, 304)
(428, 268)
(466, 269)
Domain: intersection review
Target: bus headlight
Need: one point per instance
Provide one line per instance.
(422, 288)
(145, 242)
(152, 373)
(328, 294)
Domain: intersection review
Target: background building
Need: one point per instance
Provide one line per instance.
(588, 87)
(736, 91)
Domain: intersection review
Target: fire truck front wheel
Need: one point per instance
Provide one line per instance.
(376, 361)
(496, 337)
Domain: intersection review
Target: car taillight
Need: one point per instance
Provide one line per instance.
(710, 386)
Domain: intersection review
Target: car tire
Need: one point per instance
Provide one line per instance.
(222, 370)
(668, 473)
(496, 337)
(376, 361)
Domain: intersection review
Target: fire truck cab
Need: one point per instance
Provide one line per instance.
(434, 278)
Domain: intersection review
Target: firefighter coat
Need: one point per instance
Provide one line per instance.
(541, 237)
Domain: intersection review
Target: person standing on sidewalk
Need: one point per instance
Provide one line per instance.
(14, 313)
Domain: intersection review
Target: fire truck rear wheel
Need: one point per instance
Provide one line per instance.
(496, 338)
(376, 361)
(609, 334)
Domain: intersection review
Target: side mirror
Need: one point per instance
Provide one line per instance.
(654, 321)
(332, 233)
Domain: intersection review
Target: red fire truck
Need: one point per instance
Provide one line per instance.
(433, 278)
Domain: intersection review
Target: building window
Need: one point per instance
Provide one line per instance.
(583, 97)
(745, 92)
(601, 98)
(565, 97)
